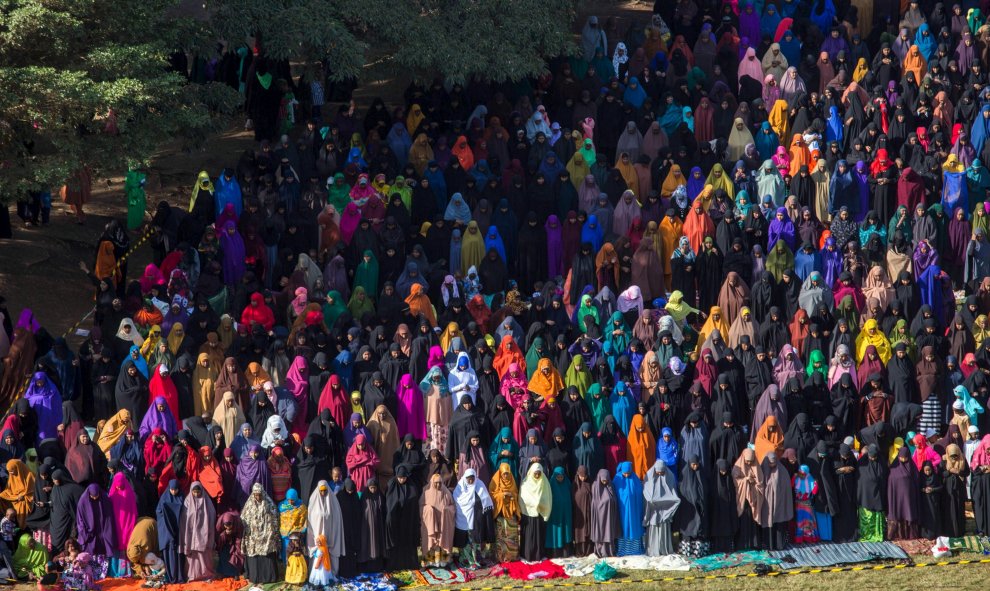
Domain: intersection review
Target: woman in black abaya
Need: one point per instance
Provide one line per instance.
(402, 522)
(351, 517)
(846, 520)
(954, 473)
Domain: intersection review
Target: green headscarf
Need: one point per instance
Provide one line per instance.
(896, 337)
(779, 260)
(587, 309)
(620, 342)
(331, 312)
(578, 375)
(907, 230)
(338, 193)
(497, 447)
(136, 204)
(817, 356)
(538, 350)
(366, 274)
(359, 307)
(678, 308)
(28, 560)
(598, 405)
(743, 203)
(981, 221)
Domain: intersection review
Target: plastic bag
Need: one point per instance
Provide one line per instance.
(603, 572)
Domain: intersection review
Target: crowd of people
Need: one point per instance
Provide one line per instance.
(724, 290)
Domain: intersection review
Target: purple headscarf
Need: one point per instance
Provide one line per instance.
(47, 403)
(250, 471)
(160, 419)
(924, 257)
(831, 262)
(27, 321)
(863, 173)
(781, 230)
(903, 491)
(555, 246)
(95, 522)
(233, 254)
(351, 432)
(695, 185)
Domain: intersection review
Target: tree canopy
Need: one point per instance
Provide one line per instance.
(87, 83)
(499, 39)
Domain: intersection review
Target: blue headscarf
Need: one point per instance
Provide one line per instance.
(926, 43)
(791, 49)
(623, 406)
(695, 185)
(550, 170)
(139, 362)
(972, 406)
(438, 185)
(769, 21)
(634, 97)
(766, 143)
(668, 451)
(834, 127)
(592, 233)
(629, 490)
(980, 130)
(494, 240)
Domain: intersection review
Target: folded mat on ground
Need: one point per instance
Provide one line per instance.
(525, 571)
(821, 555)
(733, 559)
(581, 567)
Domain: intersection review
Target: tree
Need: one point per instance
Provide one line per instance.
(497, 39)
(87, 83)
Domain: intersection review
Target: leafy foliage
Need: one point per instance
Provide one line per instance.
(86, 83)
(498, 39)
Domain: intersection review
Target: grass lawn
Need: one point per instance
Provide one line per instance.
(957, 577)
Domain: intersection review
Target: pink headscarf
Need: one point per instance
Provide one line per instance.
(124, 503)
(349, 221)
(509, 382)
(924, 453)
(300, 301)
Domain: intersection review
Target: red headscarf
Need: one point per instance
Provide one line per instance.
(698, 225)
(881, 163)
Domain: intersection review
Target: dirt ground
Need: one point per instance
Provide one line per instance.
(39, 266)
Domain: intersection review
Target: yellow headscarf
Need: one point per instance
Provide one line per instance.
(877, 339)
(677, 307)
(952, 164)
(204, 183)
(778, 118)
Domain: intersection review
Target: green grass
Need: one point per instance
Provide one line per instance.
(970, 577)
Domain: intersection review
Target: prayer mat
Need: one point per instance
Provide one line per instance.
(822, 555)
(409, 579)
(442, 576)
(970, 544)
(525, 571)
(919, 546)
(132, 584)
(734, 559)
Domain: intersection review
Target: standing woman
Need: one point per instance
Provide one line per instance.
(560, 526)
(692, 515)
(474, 528)
(169, 514)
(95, 524)
(723, 508)
(402, 522)
(954, 474)
(261, 539)
(750, 498)
(124, 503)
(661, 502)
(903, 498)
(372, 553)
(505, 496)
(437, 509)
(629, 490)
(778, 510)
(605, 515)
(324, 516)
(805, 489)
(535, 505)
(582, 515)
(932, 501)
(871, 495)
(197, 534)
(230, 542)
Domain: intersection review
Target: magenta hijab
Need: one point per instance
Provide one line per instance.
(124, 503)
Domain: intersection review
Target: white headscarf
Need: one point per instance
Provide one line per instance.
(134, 336)
(619, 59)
(464, 498)
(269, 438)
(462, 382)
(534, 495)
(325, 518)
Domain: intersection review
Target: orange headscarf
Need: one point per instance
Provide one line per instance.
(800, 156)
(463, 152)
(766, 441)
(698, 225)
(20, 490)
(106, 263)
(605, 256)
(641, 446)
(508, 353)
(915, 62)
(419, 303)
(324, 560)
(505, 493)
(546, 385)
